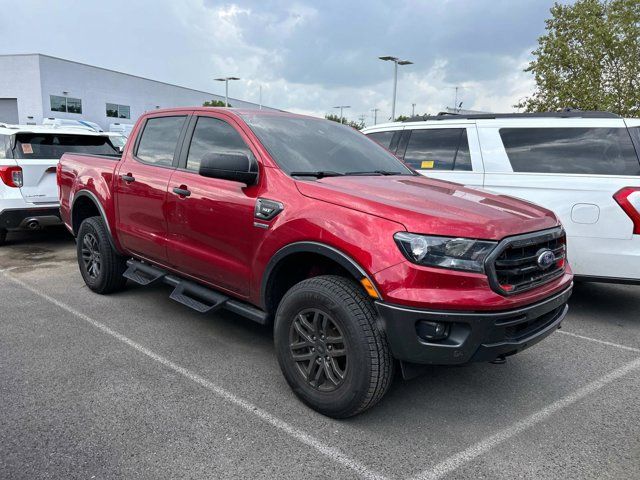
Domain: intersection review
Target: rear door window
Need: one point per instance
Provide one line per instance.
(53, 145)
(438, 149)
(159, 139)
(212, 135)
(382, 138)
(596, 151)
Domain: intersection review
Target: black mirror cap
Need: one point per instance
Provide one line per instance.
(237, 167)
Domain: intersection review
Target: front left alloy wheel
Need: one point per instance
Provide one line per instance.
(330, 347)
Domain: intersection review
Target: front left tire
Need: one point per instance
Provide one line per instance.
(330, 347)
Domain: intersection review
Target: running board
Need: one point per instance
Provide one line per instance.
(197, 297)
(143, 273)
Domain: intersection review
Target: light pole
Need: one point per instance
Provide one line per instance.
(413, 109)
(341, 107)
(396, 61)
(375, 115)
(226, 87)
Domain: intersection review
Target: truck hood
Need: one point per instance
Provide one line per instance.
(431, 206)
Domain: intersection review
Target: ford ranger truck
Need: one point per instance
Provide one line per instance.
(358, 262)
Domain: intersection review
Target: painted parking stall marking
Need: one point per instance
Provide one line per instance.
(334, 454)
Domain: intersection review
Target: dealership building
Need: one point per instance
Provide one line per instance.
(36, 86)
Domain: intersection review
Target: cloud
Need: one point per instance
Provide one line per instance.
(307, 56)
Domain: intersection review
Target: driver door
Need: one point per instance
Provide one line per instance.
(210, 220)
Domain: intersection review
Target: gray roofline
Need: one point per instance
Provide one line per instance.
(123, 73)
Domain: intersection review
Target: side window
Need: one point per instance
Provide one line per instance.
(159, 139)
(383, 138)
(599, 151)
(438, 149)
(212, 135)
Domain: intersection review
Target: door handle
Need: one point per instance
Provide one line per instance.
(182, 192)
(128, 178)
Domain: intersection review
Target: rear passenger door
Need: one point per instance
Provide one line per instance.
(448, 152)
(141, 186)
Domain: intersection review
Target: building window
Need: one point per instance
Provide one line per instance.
(65, 104)
(118, 111)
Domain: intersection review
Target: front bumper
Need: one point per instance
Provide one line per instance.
(473, 336)
(20, 218)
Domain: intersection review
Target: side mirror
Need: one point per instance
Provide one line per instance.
(229, 166)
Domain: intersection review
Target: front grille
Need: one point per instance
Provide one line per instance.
(514, 266)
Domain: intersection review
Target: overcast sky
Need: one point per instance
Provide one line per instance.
(308, 56)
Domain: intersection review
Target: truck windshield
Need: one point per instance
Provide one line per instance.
(53, 145)
(321, 148)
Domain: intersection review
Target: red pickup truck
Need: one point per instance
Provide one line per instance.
(359, 262)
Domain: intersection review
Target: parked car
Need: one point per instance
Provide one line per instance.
(356, 258)
(72, 123)
(118, 140)
(28, 158)
(122, 128)
(582, 165)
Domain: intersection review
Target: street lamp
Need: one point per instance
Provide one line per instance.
(396, 61)
(226, 87)
(341, 107)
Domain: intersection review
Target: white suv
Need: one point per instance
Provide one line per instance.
(29, 155)
(582, 165)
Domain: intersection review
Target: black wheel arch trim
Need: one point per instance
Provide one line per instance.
(328, 251)
(96, 202)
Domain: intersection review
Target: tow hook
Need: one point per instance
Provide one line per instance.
(499, 360)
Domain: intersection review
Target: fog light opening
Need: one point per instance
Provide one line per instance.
(432, 331)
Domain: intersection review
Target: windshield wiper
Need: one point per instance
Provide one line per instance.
(375, 172)
(318, 174)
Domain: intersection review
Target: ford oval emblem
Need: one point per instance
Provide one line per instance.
(546, 258)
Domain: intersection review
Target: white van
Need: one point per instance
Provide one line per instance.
(582, 165)
(29, 156)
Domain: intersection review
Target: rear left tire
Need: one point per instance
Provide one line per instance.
(100, 265)
(3, 236)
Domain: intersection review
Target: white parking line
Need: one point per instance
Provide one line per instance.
(603, 342)
(462, 458)
(331, 452)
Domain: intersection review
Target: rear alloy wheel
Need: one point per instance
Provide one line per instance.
(100, 265)
(330, 348)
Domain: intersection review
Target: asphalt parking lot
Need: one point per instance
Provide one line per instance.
(134, 385)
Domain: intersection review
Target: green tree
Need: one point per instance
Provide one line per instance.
(401, 118)
(214, 103)
(343, 120)
(589, 58)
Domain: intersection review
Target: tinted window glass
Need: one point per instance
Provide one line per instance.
(212, 135)
(52, 146)
(118, 111)
(58, 104)
(383, 138)
(603, 151)
(438, 149)
(159, 139)
(304, 144)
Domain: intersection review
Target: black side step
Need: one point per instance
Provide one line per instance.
(143, 273)
(191, 294)
(199, 298)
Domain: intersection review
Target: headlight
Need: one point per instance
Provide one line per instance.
(445, 252)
